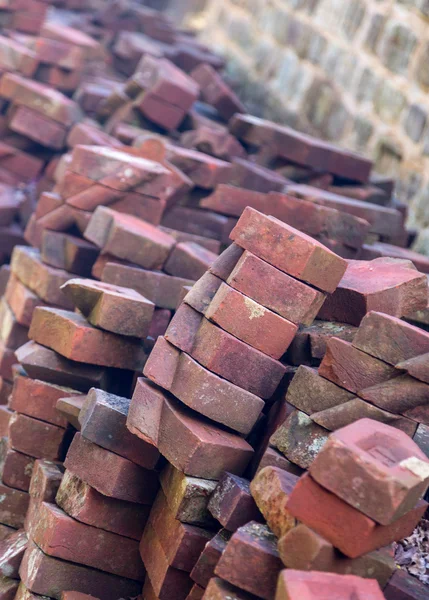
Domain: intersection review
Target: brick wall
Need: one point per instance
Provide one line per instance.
(352, 71)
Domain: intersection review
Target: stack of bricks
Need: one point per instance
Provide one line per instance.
(12, 203)
(224, 343)
(363, 377)
(25, 16)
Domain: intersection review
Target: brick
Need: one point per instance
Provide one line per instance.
(17, 57)
(187, 497)
(12, 334)
(297, 584)
(403, 586)
(5, 415)
(182, 543)
(311, 393)
(30, 123)
(68, 252)
(216, 142)
(345, 414)
(43, 280)
(4, 277)
(70, 335)
(349, 530)
(49, 576)
(202, 292)
(316, 264)
(218, 589)
(309, 344)
(21, 300)
(299, 439)
(144, 415)
(417, 367)
(45, 480)
(368, 453)
(57, 534)
(189, 260)
(199, 222)
(200, 389)
(166, 581)
(216, 92)
(8, 588)
(161, 289)
(11, 552)
(197, 447)
(44, 397)
(103, 422)
(13, 507)
(110, 474)
(204, 568)
(251, 322)
(205, 242)
(352, 369)
(76, 596)
(5, 390)
(69, 408)
(305, 550)
(251, 561)
(204, 171)
(45, 364)
(82, 502)
(390, 339)
(15, 467)
(376, 285)
(66, 56)
(36, 438)
(272, 458)
(129, 238)
(89, 135)
(70, 35)
(232, 504)
(112, 308)
(5, 531)
(196, 593)
(224, 354)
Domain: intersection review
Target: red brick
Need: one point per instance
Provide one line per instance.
(205, 242)
(251, 561)
(73, 337)
(45, 480)
(369, 453)
(7, 360)
(49, 576)
(403, 586)
(224, 354)
(15, 467)
(216, 92)
(129, 238)
(201, 389)
(103, 422)
(13, 507)
(68, 252)
(196, 593)
(8, 588)
(5, 415)
(5, 531)
(417, 367)
(11, 552)
(66, 56)
(380, 285)
(199, 222)
(218, 589)
(17, 57)
(214, 141)
(144, 415)
(110, 474)
(5, 390)
(71, 35)
(204, 171)
(272, 458)
(294, 252)
(30, 123)
(36, 438)
(309, 344)
(21, 300)
(202, 292)
(349, 530)
(298, 585)
(12, 334)
(189, 260)
(232, 504)
(69, 408)
(85, 504)
(353, 369)
(76, 596)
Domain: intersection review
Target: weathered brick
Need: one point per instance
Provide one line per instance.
(232, 504)
(15, 468)
(11, 552)
(204, 568)
(189, 260)
(13, 507)
(45, 480)
(403, 585)
(37, 438)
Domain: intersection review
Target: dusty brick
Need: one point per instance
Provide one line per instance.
(15, 468)
(202, 292)
(21, 300)
(309, 344)
(205, 566)
(189, 260)
(203, 170)
(200, 222)
(13, 507)
(232, 504)
(30, 123)
(38, 439)
(144, 415)
(69, 408)
(5, 415)
(8, 588)
(216, 92)
(45, 480)
(68, 252)
(11, 552)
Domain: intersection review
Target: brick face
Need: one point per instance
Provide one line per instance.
(356, 72)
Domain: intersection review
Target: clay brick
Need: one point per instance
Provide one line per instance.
(89, 135)
(311, 393)
(71, 35)
(216, 92)
(112, 308)
(197, 447)
(5, 531)
(76, 596)
(403, 586)
(202, 292)
(368, 453)
(129, 238)
(45, 480)
(30, 123)
(418, 367)
(69, 408)
(70, 335)
(57, 534)
(224, 354)
(196, 593)
(21, 300)
(309, 344)
(66, 56)
(349, 530)
(110, 474)
(204, 568)
(4, 277)
(15, 467)
(187, 497)
(200, 389)
(316, 264)
(272, 458)
(5, 390)
(218, 589)
(49, 576)
(189, 260)
(303, 549)
(214, 141)
(103, 422)
(345, 414)
(144, 415)
(206, 242)
(251, 322)
(13, 507)
(232, 504)
(204, 171)
(12, 334)
(36, 438)
(353, 369)
(17, 57)
(5, 415)
(390, 339)
(378, 285)
(11, 552)
(8, 588)
(306, 586)
(181, 543)
(85, 504)
(161, 289)
(299, 439)
(200, 222)
(68, 252)
(44, 397)
(45, 364)
(251, 561)
(43, 280)
(167, 582)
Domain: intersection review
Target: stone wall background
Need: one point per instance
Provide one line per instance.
(352, 71)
